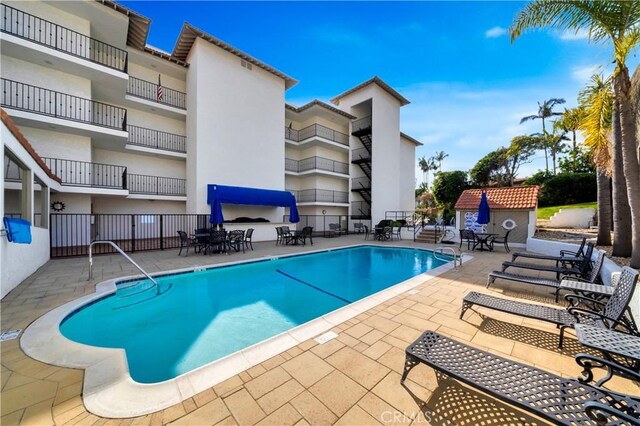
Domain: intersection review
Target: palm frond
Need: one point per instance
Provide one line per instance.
(597, 100)
(529, 118)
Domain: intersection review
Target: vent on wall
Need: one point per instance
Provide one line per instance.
(245, 64)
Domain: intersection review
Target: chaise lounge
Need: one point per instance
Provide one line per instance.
(547, 282)
(560, 400)
(611, 316)
(580, 269)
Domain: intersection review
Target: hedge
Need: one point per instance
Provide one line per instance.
(568, 188)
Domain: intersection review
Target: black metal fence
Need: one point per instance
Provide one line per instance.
(72, 233)
(43, 101)
(361, 123)
(316, 130)
(157, 185)
(82, 173)
(151, 138)
(149, 90)
(316, 163)
(24, 25)
(360, 154)
(360, 183)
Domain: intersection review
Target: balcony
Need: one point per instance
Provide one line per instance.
(156, 185)
(320, 196)
(149, 91)
(155, 139)
(42, 32)
(360, 183)
(316, 130)
(316, 163)
(56, 105)
(109, 176)
(93, 175)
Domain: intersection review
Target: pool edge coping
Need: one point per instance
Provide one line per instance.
(108, 389)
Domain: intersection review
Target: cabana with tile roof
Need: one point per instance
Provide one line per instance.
(517, 203)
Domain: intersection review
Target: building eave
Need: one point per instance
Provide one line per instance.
(375, 80)
(138, 24)
(409, 138)
(321, 104)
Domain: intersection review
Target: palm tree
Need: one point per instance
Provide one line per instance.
(439, 157)
(545, 110)
(617, 22)
(570, 122)
(426, 165)
(597, 100)
(554, 142)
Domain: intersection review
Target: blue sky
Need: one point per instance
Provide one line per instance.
(467, 83)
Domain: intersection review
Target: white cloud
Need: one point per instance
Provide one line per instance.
(582, 74)
(495, 32)
(572, 35)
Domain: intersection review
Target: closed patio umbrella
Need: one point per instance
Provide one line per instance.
(483, 211)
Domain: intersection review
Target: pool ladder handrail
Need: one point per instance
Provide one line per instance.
(119, 250)
(457, 257)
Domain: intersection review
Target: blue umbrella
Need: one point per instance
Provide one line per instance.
(483, 210)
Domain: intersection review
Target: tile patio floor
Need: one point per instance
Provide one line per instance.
(351, 380)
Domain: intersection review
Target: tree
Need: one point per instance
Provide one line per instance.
(581, 162)
(426, 165)
(554, 142)
(617, 22)
(545, 110)
(439, 157)
(597, 101)
(487, 169)
(519, 152)
(447, 187)
(570, 122)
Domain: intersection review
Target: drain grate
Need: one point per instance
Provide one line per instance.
(324, 338)
(9, 335)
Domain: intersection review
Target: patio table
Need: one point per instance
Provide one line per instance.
(482, 240)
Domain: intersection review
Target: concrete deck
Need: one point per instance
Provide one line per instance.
(351, 380)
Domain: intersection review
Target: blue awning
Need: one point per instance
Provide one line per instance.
(222, 194)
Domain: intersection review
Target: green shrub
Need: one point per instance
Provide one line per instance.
(568, 188)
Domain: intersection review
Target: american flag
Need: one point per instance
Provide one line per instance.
(160, 91)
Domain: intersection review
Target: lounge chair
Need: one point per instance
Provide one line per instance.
(564, 254)
(580, 269)
(557, 399)
(468, 236)
(611, 316)
(186, 242)
(593, 276)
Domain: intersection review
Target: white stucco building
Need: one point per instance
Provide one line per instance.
(133, 132)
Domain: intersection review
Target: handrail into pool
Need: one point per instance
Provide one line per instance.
(119, 250)
(457, 257)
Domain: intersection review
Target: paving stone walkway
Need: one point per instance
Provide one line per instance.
(353, 379)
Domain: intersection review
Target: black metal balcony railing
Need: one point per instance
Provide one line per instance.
(42, 101)
(82, 173)
(316, 130)
(151, 138)
(360, 209)
(360, 154)
(361, 183)
(157, 185)
(320, 195)
(41, 31)
(361, 123)
(316, 163)
(149, 90)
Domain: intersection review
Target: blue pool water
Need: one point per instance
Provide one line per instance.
(206, 315)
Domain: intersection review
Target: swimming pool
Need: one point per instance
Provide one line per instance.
(206, 315)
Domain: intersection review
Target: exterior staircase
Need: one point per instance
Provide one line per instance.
(430, 235)
(362, 158)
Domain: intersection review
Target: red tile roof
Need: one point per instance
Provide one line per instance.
(518, 197)
(25, 143)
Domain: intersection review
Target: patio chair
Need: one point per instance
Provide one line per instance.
(397, 231)
(366, 232)
(593, 276)
(217, 242)
(611, 315)
(235, 240)
(358, 228)
(278, 235)
(468, 236)
(579, 270)
(203, 239)
(285, 237)
(248, 238)
(307, 232)
(554, 398)
(186, 242)
(564, 254)
(385, 233)
(501, 240)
